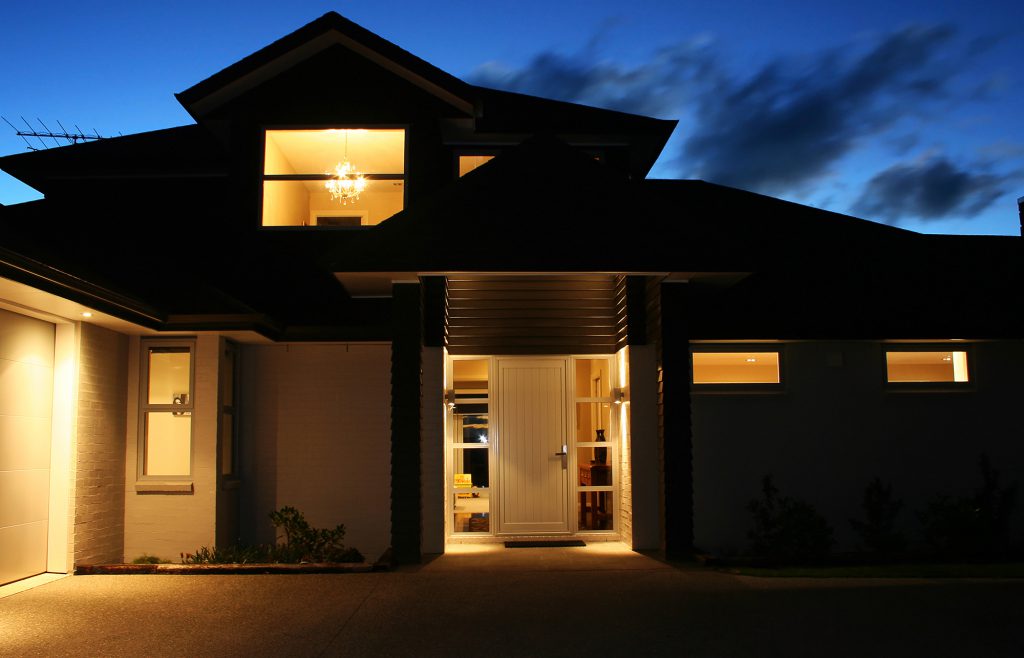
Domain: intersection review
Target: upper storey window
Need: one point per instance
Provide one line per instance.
(303, 185)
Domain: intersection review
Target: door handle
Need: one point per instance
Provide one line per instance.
(565, 451)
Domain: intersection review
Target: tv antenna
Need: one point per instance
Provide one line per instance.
(62, 137)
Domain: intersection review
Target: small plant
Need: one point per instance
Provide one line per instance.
(149, 559)
(304, 543)
(787, 529)
(228, 555)
(972, 526)
(878, 531)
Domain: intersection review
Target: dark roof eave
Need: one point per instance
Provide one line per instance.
(63, 284)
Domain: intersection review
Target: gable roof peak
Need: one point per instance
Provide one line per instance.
(326, 31)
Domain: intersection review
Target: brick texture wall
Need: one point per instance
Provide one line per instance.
(99, 469)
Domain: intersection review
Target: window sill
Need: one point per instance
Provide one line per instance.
(737, 389)
(156, 487)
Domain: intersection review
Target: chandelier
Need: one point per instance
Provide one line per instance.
(345, 183)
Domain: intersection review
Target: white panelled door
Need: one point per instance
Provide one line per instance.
(532, 433)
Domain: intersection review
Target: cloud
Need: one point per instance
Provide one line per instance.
(658, 87)
(930, 189)
(782, 128)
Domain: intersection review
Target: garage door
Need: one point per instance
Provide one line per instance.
(26, 399)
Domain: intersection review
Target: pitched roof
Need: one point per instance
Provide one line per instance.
(545, 206)
(328, 30)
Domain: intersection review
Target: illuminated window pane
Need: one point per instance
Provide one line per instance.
(591, 417)
(470, 468)
(915, 366)
(471, 511)
(168, 443)
(468, 163)
(595, 510)
(297, 164)
(592, 378)
(736, 368)
(594, 466)
(166, 406)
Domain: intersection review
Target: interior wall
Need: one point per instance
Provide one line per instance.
(315, 434)
(836, 425)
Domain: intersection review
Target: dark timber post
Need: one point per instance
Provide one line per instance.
(406, 338)
(677, 434)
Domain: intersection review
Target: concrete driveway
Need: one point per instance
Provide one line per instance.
(601, 600)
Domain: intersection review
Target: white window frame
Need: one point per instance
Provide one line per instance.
(186, 407)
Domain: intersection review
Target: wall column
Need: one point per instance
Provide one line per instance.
(406, 340)
(677, 436)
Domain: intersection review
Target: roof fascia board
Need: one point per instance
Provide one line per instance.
(300, 53)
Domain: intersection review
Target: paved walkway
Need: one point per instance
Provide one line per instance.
(596, 601)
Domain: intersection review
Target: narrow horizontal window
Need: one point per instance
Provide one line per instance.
(736, 368)
(916, 366)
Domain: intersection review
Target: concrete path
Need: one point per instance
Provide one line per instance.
(601, 600)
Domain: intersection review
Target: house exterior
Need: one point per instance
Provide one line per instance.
(510, 332)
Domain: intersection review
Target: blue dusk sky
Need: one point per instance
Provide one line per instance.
(910, 112)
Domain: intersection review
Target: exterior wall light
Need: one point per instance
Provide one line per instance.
(618, 395)
(449, 398)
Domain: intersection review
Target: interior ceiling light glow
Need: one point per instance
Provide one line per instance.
(346, 183)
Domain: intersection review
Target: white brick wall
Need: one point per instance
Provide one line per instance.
(168, 524)
(99, 467)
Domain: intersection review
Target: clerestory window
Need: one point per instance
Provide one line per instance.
(337, 177)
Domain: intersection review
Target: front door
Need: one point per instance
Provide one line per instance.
(533, 432)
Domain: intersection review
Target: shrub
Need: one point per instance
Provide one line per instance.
(877, 531)
(787, 529)
(972, 526)
(149, 559)
(304, 543)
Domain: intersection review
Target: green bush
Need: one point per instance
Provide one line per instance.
(878, 531)
(786, 529)
(972, 526)
(304, 543)
(301, 543)
(149, 559)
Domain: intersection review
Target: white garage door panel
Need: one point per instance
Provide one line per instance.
(20, 554)
(26, 389)
(25, 496)
(24, 443)
(25, 339)
(26, 401)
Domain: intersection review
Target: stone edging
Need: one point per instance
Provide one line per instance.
(201, 569)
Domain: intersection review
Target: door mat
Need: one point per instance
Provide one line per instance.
(544, 544)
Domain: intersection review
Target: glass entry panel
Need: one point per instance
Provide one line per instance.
(595, 454)
(470, 457)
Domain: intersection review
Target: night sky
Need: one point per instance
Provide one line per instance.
(908, 112)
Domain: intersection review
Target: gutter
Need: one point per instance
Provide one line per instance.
(63, 284)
